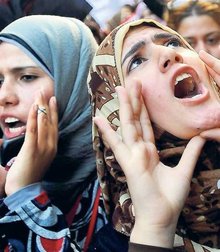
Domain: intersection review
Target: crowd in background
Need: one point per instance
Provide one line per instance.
(103, 16)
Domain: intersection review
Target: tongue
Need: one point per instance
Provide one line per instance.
(185, 89)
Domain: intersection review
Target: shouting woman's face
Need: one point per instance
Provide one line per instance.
(20, 81)
(176, 86)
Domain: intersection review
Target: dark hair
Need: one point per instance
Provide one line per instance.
(173, 17)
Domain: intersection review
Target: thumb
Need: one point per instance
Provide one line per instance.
(190, 156)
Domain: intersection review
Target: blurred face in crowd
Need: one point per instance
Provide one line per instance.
(202, 32)
(176, 86)
(21, 79)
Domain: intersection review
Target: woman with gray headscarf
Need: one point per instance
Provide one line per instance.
(45, 61)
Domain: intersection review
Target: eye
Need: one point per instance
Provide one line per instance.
(28, 77)
(191, 42)
(1, 81)
(135, 62)
(213, 40)
(174, 42)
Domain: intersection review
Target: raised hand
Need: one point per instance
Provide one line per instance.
(213, 66)
(3, 174)
(39, 147)
(158, 192)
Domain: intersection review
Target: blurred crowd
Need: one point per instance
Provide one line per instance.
(103, 16)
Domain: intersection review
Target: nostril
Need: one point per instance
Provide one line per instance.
(166, 63)
(177, 59)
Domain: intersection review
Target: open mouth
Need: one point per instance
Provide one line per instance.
(186, 86)
(13, 127)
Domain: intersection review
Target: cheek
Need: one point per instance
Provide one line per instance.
(48, 89)
(154, 97)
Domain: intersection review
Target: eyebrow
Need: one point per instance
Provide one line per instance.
(134, 49)
(22, 68)
(142, 43)
(164, 35)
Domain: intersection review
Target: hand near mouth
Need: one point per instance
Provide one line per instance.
(151, 183)
(213, 65)
(39, 147)
(3, 174)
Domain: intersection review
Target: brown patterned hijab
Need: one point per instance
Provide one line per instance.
(200, 218)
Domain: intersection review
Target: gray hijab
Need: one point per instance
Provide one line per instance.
(63, 48)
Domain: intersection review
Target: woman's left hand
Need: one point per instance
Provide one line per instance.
(39, 147)
(213, 67)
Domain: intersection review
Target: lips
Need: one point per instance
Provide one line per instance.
(13, 127)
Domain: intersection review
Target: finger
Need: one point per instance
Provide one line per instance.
(213, 134)
(112, 139)
(190, 156)
(214, 75)
(53, 111)
(128, 128)
(53, 125)
(43, 119)
(31, 129)
(134, 92)
(212, 62)
(148, 134)
(3, 174)
(1, 141)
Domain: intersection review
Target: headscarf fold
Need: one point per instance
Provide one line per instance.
(199, 220)
(63, 47)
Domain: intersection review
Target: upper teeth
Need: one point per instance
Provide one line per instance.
(182, 77)
(11, 120)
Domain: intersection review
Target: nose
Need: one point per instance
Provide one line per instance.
(168, 57)
(8, 95)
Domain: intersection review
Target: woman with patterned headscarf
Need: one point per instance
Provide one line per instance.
(42, 57)
(153, 67)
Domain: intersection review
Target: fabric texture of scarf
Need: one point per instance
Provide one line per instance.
(199, 219)
(63, 48)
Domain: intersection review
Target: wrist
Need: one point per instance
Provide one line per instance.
(153, 235)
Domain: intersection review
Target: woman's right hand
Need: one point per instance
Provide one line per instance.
(158, 192)
(39, 147)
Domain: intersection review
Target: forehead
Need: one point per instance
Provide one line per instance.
(139, 33)
(205, 23)
(142, 33)
(9, 51)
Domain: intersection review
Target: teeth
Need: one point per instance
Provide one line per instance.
(196, 96)
(182, 77)
(15, 130)
(11, 120)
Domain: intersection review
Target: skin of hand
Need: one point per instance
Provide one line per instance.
(39, 147)
(158, 192)
(213, 67)
(3, 174)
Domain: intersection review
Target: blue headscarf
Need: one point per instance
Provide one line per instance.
(63, 47)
